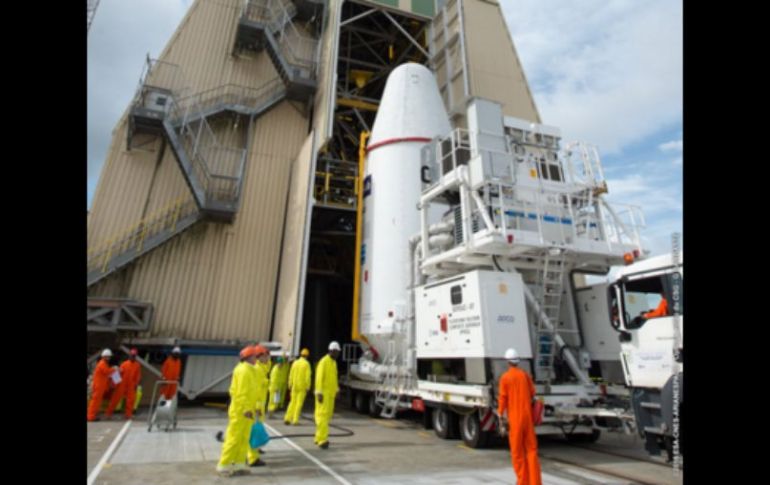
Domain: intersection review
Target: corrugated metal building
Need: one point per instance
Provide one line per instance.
(276, 263)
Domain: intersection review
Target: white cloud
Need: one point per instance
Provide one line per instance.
(605, 72)
(672, 146)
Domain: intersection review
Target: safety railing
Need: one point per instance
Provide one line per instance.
(217, 167)
(163, 75)
(336, 183)
(263, 11)
(299, 50)
(453, 150)
(561, 217)
(584, 165)
(233, 95)
(133, 238)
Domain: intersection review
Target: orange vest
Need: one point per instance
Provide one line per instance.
(515, 396)
(131, 373)
(171, 369)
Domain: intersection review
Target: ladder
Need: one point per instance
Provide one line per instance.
(388, 395)
(550, 278)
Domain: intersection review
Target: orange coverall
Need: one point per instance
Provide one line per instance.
(660, 311)
(131, 374)
(171, 370)
(516, 393)
(100, 385)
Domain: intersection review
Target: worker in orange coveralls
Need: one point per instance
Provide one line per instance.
(171, 370)
(661, 310)
(517, 395)
(100, 384)
(130, 374)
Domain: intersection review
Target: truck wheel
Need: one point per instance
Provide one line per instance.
(427, 418)
(471, 433)
(361, 402)
(374, 408)
(445, 423)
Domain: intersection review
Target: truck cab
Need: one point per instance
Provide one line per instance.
(646, 309)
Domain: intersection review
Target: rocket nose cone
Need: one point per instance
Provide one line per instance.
(411, 106)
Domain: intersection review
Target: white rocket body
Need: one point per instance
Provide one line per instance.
(411, 113)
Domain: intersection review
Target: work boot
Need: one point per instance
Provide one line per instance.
(224, 471)
(259, 462)
(261, 451)
(324, 445)
(241, 469)
(287, 423)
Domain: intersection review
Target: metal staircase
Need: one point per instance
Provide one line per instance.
(212, 170)
(269, 25)
(140, 238)
(388, 395)
(550, 279)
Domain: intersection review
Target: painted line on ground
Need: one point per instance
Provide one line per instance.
(315, 460)
(549, 479)
(108, 454)
(604, 479)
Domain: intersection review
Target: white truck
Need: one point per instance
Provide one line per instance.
(646, 309)
(468, 239)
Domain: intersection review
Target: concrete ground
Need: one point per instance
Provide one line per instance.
(380, 452)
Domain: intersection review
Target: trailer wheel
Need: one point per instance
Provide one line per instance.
(445, 423)
(361, 402)
(427, 418)
(471, 433)
(374, 408)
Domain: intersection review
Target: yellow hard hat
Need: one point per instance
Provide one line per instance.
(305, 352)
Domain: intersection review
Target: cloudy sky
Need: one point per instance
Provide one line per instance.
(604, 71)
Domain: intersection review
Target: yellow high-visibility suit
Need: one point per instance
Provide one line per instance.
(279, 379)
(325, 385)
(260, 384)
(243, 398)
(285, 368)
(299, 383)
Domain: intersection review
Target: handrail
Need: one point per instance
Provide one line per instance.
(133, 237)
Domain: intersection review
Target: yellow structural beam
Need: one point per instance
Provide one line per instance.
(356, 335)
(357, 103)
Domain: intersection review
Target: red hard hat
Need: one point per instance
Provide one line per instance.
(260, 350)
(248, 352)
(134, 352)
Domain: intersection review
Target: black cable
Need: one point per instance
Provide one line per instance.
(345, 433)
(494, 260)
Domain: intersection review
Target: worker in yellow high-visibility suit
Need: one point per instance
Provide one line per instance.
(326, 389)
(278, 382)
(299, 384)
(261, 383)
(285, 368)
(241, 414)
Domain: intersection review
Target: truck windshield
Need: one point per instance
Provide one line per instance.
(647, 298)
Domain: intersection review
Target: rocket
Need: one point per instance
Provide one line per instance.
(411, 114)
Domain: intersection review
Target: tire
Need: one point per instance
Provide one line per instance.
(470, 431)
(427, 418)
(361, 402)
(445, 423)
(374, 408)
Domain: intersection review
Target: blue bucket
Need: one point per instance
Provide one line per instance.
(259, 436)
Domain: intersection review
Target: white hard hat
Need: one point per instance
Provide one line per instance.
(334, 345)
(176, 350)
(106, 353)
(512, 356)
